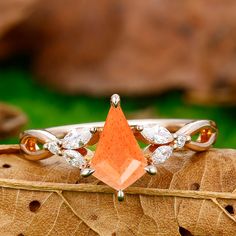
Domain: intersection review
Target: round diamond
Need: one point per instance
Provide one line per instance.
(74, 158)
(76, 138)
(52, 147)
(157, 134)
(181, 140)
(161, 154)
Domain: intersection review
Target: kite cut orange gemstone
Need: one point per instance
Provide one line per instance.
(118, 160)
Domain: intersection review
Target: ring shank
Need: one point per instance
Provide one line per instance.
(176, 126)
(171, 124)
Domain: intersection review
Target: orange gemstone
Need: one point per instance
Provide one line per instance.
(205, 135)
(118, 160)
(31, 144)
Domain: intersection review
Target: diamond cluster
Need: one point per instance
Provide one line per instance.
(69, 145)
(166, 142)
(157, 135)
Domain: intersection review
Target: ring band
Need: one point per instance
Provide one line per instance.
(117, 150)
(30, 138)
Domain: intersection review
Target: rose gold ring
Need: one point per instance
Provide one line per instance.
(118, 160)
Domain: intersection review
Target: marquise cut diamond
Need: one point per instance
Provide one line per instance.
(76, 138)
(74, 158)
(157, 134)
(161, 154)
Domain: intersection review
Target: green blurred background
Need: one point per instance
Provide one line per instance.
(142, 47)
(47, 108)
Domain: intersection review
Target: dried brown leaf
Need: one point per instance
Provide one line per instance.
(12, 119)
(192, 194)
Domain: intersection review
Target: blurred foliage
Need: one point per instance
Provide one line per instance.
(47, 108)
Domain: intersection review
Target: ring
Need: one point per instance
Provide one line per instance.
(118, 160)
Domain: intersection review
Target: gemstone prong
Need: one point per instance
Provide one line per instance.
(175, 136)
(175, 146)
(151, 169)
(59, 142)
(59, 153)
(93, 130)
(188, 138)
(120, 196)
(86, 172)
(115, 100)
(139, 128)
